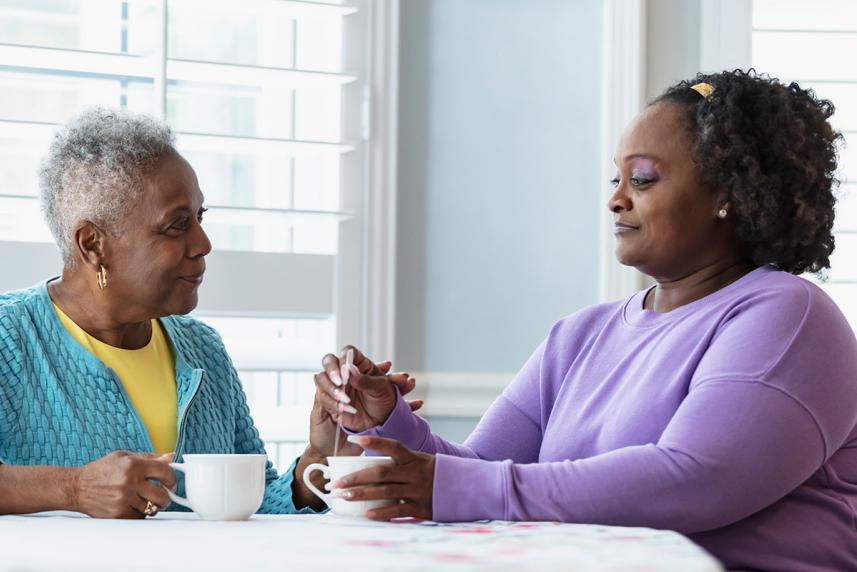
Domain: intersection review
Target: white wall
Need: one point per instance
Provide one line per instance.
(498, 156)
(498, 178)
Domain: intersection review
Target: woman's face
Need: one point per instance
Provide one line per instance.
(664, 220)
(157, 263)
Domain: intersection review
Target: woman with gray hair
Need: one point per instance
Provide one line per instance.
(103, 379)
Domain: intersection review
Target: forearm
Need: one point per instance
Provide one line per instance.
(699, 476)
(490, 440)
(35, 489)
(413, 431)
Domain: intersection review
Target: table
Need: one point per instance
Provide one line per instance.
(180, 541)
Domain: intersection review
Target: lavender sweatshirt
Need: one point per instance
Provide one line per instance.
(732, 419)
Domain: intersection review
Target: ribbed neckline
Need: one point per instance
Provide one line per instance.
(633, 313)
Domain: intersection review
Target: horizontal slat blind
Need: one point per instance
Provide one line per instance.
(808, 42)
(266, 112)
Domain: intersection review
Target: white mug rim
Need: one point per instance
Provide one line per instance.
(358, 458)
(222, 456)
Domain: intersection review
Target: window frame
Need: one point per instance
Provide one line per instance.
(363, 271)
(361, 276)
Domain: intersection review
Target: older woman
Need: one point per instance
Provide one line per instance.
(721, 403)
(102, 377)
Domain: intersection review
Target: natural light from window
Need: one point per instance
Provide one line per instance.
(807, 42)
(258, 95)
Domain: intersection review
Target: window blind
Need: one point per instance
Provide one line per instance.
(814, 44)
(267, 101)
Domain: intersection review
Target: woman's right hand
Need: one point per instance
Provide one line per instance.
(370, 390)
(118, 486)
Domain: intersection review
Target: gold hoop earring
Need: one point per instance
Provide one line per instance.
(722, 213)
(101, 277)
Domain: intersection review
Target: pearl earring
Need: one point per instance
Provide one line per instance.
(722, 213)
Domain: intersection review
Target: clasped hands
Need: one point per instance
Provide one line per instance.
(364, 402)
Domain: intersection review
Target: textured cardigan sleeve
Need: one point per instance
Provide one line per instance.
(487, 441)
(278, 488)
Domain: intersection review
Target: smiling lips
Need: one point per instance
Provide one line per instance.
(195, 279)
(623, 227)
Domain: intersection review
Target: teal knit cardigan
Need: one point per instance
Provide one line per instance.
(60, 405)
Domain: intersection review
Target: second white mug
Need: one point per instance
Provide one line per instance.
(338, 467)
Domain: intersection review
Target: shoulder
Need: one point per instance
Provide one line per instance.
(192, 330)
(789, 292)
(19, 302)
(20, 309)
(196, 342)
(770, 318)
(783, 308)
(787, 333)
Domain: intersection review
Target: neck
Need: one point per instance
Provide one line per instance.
(93, 310)
(674, 292)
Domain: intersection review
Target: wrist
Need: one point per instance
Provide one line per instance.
(312, 455)
(70, 491)
(302, 496)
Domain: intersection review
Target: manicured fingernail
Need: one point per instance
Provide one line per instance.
(347, 409)
(357, 439)
(349, 356)
(353, 369)
(342, 396)
(342, 494)
(335, 377)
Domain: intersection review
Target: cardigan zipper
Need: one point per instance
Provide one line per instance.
(180, 438)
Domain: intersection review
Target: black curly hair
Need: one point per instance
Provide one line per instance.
(770, 149)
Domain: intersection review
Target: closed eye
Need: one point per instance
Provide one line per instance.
(639, 182)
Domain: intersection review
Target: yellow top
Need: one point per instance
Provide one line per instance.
(148, 375)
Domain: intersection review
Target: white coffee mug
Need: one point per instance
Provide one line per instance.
(338, 467)
(222, 487)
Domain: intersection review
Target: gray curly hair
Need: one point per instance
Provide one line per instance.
(94, 170)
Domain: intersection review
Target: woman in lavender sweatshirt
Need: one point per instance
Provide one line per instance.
(721, 403)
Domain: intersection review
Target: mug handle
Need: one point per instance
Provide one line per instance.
(174, 497)
(325, 470)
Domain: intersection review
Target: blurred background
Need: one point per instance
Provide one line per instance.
(425, 179)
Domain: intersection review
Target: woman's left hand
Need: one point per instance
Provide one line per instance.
(408, 481)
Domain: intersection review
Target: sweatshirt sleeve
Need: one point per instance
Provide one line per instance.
(758, 421)
(489, 438)
(731, 449)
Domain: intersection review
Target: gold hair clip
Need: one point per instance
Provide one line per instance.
(703, 89)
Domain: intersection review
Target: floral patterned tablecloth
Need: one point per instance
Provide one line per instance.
(180, 541)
